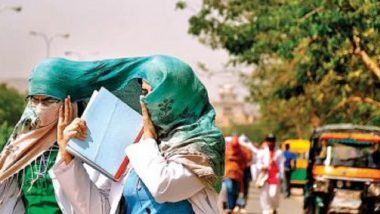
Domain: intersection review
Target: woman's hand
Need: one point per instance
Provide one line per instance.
(149, 130)
(69, 128)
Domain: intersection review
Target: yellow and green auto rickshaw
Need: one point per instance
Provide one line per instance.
(301, 148)
(343, 170)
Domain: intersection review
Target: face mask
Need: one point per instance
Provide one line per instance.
(46, 114)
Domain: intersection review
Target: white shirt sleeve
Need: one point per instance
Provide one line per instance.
(83, 195)
(264, 158)
(167, 180)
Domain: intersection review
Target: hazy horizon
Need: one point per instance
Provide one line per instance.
(100, 30)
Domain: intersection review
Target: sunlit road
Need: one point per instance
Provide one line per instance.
(291, 205)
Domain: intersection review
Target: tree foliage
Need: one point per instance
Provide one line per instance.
(316, 60)
(11, 106)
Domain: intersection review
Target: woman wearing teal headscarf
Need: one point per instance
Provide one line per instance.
(182, 167)
(25, 185)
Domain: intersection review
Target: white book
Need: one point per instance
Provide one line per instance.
(111, 126)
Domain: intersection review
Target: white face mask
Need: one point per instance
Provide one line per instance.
(46, 114)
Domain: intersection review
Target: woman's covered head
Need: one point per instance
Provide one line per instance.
(177, 96)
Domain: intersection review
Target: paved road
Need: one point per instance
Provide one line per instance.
(291, 205)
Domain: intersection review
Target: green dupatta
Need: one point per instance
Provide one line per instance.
(179, 104)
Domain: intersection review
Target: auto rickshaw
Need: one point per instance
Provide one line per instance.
(301, 148)
(343, 170)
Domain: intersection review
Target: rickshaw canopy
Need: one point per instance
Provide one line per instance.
(297, 145)
(365, 137)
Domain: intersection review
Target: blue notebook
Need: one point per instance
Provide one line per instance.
(112, 125)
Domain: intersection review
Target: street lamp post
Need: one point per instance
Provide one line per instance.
(48, 40)
(13, 8)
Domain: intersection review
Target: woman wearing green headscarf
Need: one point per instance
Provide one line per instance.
(25, 185)
(177, 167)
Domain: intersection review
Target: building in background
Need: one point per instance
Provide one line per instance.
(230, 110)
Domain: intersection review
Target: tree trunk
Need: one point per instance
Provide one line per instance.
(368, 62)
(315, 119)
(371, 65)
(298, 130)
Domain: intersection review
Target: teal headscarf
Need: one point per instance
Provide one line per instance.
(178, 104)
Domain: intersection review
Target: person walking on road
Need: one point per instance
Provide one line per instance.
(236, 160)
(270, 162)
(247, 145)
(289, 164)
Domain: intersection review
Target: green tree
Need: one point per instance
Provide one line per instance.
(316, 60)
(5, 132)
(12, 104)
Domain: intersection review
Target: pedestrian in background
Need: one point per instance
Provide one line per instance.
(248, 176)
(237, 158)
(270, 162)
(289, 163)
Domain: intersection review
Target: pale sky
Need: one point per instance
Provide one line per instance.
(101, 29)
